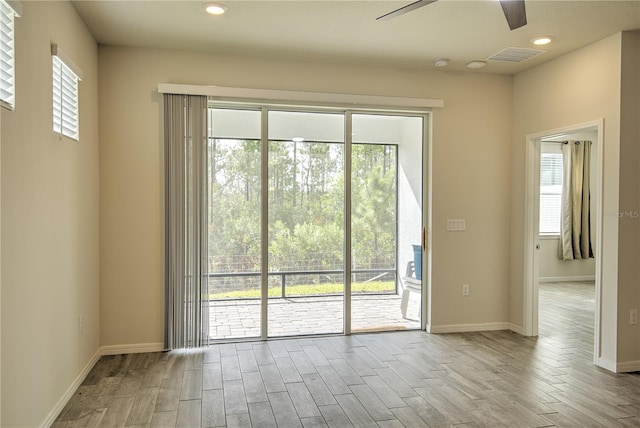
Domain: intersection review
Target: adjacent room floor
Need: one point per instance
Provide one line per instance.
(410, 379)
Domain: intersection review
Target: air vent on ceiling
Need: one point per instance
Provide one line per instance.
(515, 54)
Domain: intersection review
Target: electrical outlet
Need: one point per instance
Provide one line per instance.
(80, 324)
(465, 290)
(633, 316)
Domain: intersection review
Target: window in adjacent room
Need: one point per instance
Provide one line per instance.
(7, 54)
(66, 76)
(550, 188)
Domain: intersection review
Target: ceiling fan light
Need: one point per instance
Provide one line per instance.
(441, 62)
(542, 40)
(215, 8)
(476, 64)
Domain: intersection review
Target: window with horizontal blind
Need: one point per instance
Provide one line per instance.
(7, 55)
(66, 114)
(550, 189)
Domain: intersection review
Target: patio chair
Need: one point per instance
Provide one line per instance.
(410, 285)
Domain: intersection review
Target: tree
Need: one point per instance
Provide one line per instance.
(306, 199)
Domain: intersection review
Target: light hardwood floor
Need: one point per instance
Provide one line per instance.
(409, 379)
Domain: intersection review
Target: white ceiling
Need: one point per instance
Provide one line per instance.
(347, 31)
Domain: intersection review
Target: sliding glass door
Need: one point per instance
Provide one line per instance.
(234, 173)
(315, 221)
(386, 219)
(306, 223)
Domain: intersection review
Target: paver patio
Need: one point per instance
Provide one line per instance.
(229, 319)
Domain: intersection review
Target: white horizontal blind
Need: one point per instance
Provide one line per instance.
(66, 120)
(7, 56)
(550, 190)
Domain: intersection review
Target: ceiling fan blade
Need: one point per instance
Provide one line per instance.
(405, 9)
(515, 13)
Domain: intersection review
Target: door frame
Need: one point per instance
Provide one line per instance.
(264, 107)
(427, 199)
(532, 226)
(426, 204)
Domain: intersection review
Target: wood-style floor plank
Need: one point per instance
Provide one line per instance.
(288, 370)
(391, 379)
(284, 410)
(254, 389)
(334, 416)
(191, 385)
(384, 392)
(230, 368)
(117, 413)
(408, 417)
(356, 413)
(321, 394)
(261, 415)
(213, 413)
(370, 401)
(164, 419)
(143, 406)
(241, 420)
(235, 401)
(272, 379)
(189, 414)
(247, 360)
(302, 400)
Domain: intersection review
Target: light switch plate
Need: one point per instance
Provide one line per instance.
(456, 225)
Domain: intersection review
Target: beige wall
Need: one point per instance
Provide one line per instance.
(470, 175)
(50, 187)
(552, 269)
(583, 86)
(629, 207)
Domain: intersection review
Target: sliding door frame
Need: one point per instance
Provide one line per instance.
(266, 106)
(427, 195)
(348, 139)
(264, 224)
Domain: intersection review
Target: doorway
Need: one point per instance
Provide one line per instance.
(546, 275)
(313, 213)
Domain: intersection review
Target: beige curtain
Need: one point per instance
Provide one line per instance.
(185, 134)
(575, 232)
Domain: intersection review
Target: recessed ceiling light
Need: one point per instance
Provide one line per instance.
(215, 8)
(476, 64)
(441, 62)
(542, 40)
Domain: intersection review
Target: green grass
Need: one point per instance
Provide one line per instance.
(310, 289)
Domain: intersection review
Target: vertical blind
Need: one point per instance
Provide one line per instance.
(7, 56)
(66, 120)
(186, 246)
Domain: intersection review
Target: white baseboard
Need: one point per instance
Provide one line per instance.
(516, 328)
(55, 412)
(628, 366)
(566, 278)
(624, 367)
(465, 328)
(134, 348)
